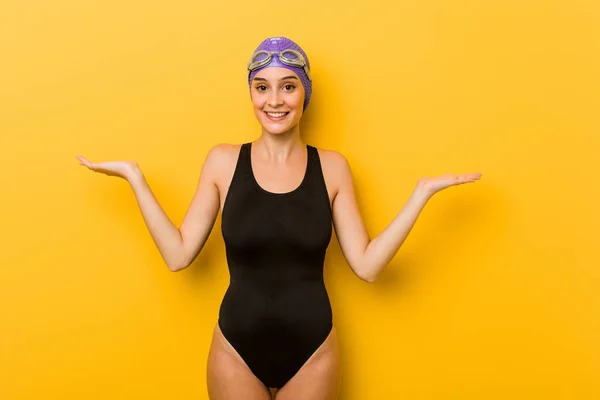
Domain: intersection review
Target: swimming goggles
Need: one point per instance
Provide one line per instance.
(289, 57)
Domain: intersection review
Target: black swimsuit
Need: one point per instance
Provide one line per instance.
(276, 311)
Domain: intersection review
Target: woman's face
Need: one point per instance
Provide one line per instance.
(278, 99)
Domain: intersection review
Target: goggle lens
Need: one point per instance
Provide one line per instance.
(289, 57)
(261, 56)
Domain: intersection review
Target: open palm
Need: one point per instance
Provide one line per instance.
(435, 184)
(122, 169)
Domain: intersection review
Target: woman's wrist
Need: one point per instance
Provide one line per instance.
(134, 173)
(422, 192)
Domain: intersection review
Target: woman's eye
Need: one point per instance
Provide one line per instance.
(288, 87)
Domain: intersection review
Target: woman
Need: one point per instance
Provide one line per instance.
(278, 198)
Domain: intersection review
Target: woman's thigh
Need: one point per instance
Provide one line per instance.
(228, 376)
(320, 377)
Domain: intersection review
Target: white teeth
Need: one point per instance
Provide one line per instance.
(276, 114)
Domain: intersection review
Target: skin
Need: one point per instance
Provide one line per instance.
(278, 162)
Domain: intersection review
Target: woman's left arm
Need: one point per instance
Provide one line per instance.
(368, 257)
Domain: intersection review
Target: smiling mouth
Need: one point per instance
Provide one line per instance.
(276, 116)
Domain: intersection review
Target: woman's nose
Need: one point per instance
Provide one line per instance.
(275, 99)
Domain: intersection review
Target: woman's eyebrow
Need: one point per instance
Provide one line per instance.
(285, 77)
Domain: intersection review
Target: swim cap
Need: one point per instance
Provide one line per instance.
(279, 44)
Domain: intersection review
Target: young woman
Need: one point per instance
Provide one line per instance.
(279, 198)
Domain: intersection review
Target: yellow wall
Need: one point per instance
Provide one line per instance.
(495, 293)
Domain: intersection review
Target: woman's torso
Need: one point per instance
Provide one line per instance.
(276, 307)
(275, 246)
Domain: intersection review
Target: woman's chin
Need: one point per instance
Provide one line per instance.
(277, 129)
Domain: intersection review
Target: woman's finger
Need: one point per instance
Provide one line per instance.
(88, 163)
(468, 177)
(83, 160)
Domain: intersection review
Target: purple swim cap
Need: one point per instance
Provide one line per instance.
(281, 43)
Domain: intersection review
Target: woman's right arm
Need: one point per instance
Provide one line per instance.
(179, 247)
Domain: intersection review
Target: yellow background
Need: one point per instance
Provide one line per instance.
(494, 295)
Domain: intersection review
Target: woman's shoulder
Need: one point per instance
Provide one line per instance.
(223, 152)
(221, 158)
(335, 167)
(332, 160)
(221, 149)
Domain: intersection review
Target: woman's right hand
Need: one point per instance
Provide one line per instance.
(123, 169)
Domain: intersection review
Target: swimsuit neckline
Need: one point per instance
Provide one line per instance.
(302, 183)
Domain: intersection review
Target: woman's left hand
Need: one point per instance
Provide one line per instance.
(433, 185)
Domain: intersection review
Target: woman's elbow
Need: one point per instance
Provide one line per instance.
(178, 265)
(366, 276)
(369, 278)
